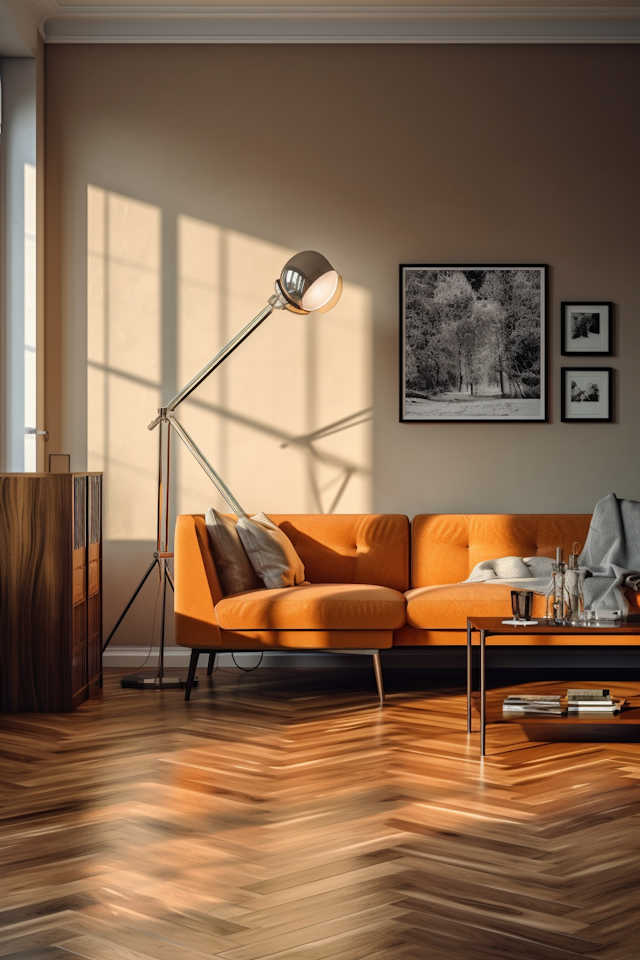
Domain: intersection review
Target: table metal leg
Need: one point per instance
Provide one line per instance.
(469, 676)
(483, 696)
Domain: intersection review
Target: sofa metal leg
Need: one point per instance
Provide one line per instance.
(212, 663)
(193, 663)
(377, 666)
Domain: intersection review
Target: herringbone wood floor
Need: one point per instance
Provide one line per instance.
(281, 814)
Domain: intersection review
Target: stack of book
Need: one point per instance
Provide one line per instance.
(520, 705)
(589, 703)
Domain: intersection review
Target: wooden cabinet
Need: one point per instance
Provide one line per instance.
(50, 590)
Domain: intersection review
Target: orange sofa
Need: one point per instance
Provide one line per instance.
(357, 567)
(363, 593)
(444, 550)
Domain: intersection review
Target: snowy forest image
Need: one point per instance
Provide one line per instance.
(473, 343)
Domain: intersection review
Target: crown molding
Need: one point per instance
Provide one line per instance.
(19, 21)
(343, 24)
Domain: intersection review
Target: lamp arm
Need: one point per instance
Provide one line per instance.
(222, 354)
(206, 466)
(277, 301)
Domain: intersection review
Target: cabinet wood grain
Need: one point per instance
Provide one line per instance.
(50, 629)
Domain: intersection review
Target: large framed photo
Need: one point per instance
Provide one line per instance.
(586, 329)
(473, 343)
(586, 394)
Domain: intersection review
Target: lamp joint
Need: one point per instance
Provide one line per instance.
(278, 300)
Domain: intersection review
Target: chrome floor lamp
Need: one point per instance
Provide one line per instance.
(307, 283)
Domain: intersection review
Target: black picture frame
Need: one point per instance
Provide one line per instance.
(586, 380)
(503, 315)
(578, 338)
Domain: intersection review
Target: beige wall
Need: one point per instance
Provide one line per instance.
(173, 169)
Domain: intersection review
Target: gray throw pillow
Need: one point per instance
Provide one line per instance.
(270, 551)
(232, 563)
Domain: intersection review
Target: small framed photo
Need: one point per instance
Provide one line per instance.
(586, 394)
(586, 329)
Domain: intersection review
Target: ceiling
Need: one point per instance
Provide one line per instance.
(313, 21)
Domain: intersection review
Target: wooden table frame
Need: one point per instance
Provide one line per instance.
(493, 626)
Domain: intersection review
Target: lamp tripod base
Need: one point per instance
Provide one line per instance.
(155, 680)
(151, 681)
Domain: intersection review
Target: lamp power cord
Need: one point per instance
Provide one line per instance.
(247, 669)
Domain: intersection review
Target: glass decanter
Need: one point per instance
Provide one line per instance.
(573, 586)
(558, 602)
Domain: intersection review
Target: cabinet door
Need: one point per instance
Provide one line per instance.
(79, 659)
(94, 515)
(36, 586)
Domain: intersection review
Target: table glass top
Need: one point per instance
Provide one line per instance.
(630, 624)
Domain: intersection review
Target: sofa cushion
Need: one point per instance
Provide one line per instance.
(270, 551)
(230, 557)
(447, 606)
(314, 606)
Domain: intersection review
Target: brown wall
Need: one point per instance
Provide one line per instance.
(375, 155)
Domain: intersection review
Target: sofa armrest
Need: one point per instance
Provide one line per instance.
(197, 587)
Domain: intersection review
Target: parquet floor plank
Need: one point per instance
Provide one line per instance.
(94, 949)
(303, 915)
(282, 815)
(38, 953)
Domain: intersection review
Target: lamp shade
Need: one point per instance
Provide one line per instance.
(309, 282)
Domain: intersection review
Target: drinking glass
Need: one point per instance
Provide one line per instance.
(521, 604)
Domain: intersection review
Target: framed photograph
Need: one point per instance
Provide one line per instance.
(473, 343)
(587, 394)
(586, 329)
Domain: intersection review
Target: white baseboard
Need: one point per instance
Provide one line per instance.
(134, 658)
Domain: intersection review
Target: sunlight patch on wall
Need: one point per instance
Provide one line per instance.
(124, 358)
(286, 419)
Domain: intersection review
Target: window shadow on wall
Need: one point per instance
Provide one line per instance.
(286, 420)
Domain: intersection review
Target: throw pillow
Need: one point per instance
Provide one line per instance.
(232, 563)
(270, 551)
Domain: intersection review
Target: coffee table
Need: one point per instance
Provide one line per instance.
(489, 627)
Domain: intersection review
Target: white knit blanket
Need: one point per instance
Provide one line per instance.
(522, 573)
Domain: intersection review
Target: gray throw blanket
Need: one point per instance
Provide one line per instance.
(609, 563)
(611, 555)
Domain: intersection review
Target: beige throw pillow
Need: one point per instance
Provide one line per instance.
(270, 551)
(231, 560)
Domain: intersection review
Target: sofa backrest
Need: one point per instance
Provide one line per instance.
(351, 548)
(338, 548)
(446, 547)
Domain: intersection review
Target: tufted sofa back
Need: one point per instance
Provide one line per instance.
(351, 548)
(446, 547)
(335, 548)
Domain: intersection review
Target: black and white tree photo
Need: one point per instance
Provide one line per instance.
(473, 343)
